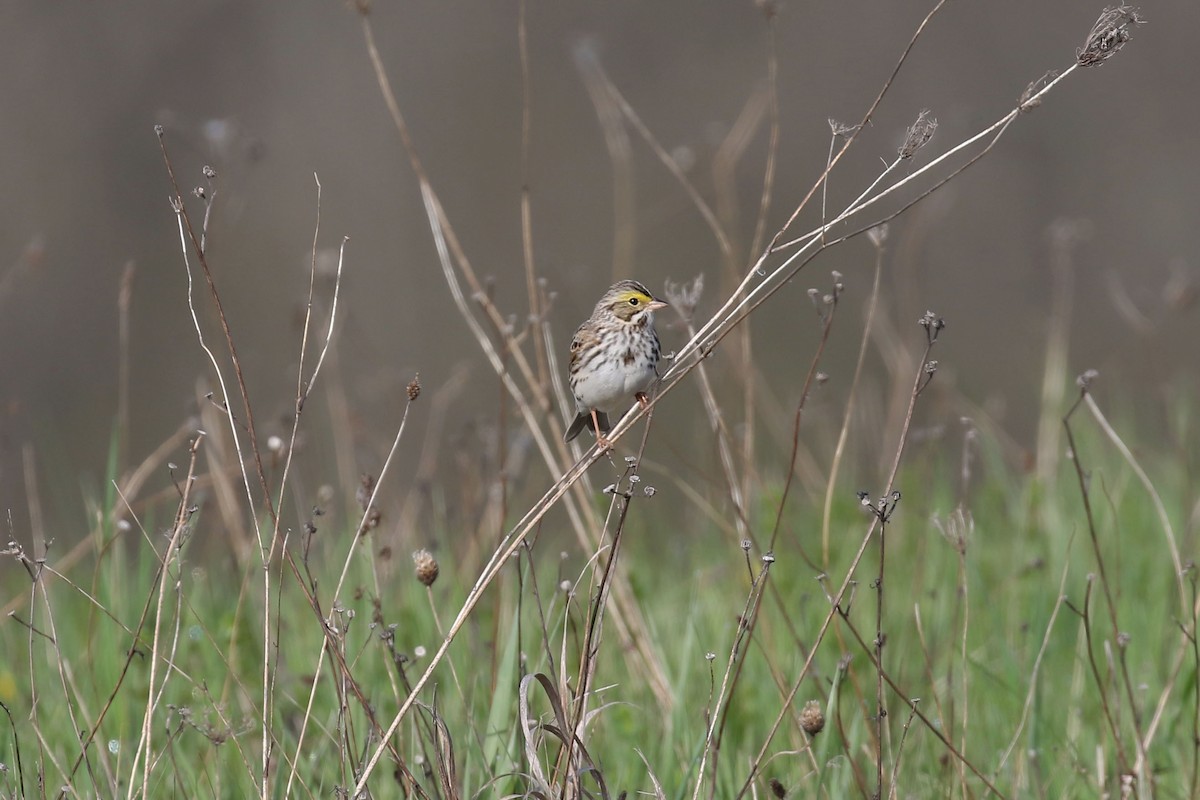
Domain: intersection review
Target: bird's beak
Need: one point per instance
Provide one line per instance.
(655, 305)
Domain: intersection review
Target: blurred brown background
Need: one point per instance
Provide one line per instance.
(269, 93)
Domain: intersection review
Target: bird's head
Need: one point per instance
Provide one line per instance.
(630, 302)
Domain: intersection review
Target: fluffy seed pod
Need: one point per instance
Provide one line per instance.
(812, 719)
(426, 567)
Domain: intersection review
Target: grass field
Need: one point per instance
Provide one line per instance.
(1005, 670)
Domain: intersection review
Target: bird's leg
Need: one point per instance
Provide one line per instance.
(601, 440)
(643, 400)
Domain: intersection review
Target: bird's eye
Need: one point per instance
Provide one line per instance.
(633, 301)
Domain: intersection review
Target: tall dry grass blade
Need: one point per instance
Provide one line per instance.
(839, 450)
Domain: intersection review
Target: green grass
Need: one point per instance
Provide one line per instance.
(973, 661)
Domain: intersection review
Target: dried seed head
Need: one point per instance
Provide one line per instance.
(777, 789)
(1110, 33)
(841, 129)
(426, 567)
(414, 388)
(812, 719)
(918, 134)
(684, 297)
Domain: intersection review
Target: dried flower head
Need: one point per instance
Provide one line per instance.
(414, 387)
(778, 790)
(812, 719)
(426, 567)
(918, 134)
(1110, 33)
(841, 130)
(684, 297)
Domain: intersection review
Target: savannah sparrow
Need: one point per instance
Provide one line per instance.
(614, 357)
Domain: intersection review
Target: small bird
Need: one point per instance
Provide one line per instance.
(614, 357)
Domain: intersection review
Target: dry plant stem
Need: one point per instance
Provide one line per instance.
(911, 702)
(303, 388)
(628, 620)
(718, 327)
(595, 71)
(1049, 449)
(760, 229)
(712, 738)
(938, 708)
(880, 709)
(1114, 728)
(1191, 636)
(451, 241)
(124, 302)
(1159, 508)
(700, 344)
(328, 642)
(735, 310)
(724, 173)
(16, 749)
(839, 449)
(1142, 764)
(184, 223)
(535, 305)
(515, 538)
(595, 624)
(894, 779)
(187, 233)
(854, 135)
(620, 156)
(724, 449)
(805, 390)
(1083, 481)
(725, 163)
(129, 656)
(764, 203)
(590, 649)
(181, 518)
(918, 384)
(37, 571)
(963, 672)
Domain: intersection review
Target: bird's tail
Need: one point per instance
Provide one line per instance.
(582, 420)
